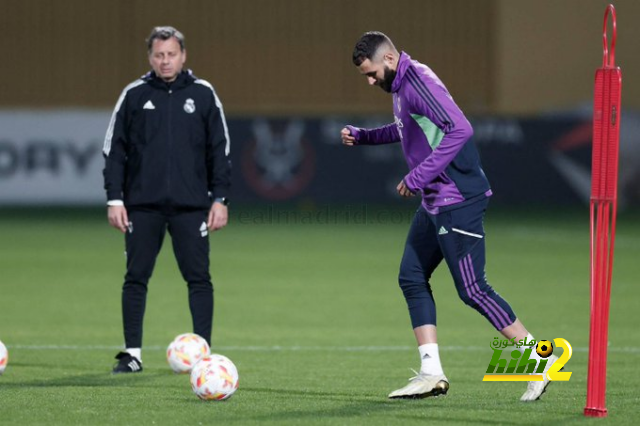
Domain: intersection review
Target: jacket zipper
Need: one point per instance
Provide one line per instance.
(169, 149)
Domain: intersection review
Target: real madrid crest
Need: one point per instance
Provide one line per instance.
(189, 106)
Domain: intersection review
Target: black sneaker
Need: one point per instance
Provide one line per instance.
(127, 364)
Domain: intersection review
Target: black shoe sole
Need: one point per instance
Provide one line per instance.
(125, 372)
(435, 392)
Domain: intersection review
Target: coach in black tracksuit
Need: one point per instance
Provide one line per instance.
(166, 168)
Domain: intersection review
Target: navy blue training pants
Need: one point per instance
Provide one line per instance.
(191, 248)
(458, 237)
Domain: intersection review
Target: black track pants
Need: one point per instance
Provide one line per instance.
(191, 249)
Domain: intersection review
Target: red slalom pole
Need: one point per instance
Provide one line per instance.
(603, 211)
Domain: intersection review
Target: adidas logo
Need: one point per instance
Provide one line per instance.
(134, 366)
(149, 105)
(203, 230)
(442, 231)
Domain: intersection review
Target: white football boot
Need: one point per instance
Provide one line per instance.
(536, 389)
(422, 386)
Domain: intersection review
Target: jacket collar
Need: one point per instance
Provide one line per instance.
(403, 63)
(183, 79)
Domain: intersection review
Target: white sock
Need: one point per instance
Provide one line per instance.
(430, 359)
(135, 352)
(533, 348)
(534, 354)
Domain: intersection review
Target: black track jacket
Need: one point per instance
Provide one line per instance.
(167, 145)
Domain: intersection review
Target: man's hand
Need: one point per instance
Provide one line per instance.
(347, 139)
(218, 217)
(118, 217)
(404, 191)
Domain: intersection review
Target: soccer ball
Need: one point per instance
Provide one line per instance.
(544, 348)
(4, 357)
(214, 378)
(185, 351)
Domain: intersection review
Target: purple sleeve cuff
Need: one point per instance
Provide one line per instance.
(355, 132)
(410, 184)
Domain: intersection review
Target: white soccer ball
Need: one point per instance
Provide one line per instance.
(214, 378)
(185, 351)
(4, 357)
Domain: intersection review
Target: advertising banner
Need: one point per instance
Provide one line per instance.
(55, 158)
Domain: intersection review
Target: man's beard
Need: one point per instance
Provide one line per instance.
(387, 80)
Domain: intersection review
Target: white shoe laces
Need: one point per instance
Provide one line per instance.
(416, 375)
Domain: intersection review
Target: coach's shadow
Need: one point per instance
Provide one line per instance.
(105, 379)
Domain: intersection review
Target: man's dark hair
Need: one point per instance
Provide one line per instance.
(368, 45)
(165, 33)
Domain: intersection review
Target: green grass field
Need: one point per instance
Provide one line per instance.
(312, 316)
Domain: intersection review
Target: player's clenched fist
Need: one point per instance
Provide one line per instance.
(404, 190)
(347, 138)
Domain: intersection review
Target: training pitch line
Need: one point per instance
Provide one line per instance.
(633, 350)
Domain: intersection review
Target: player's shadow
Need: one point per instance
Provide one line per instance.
(354, 406)
(311, 394)
(360, 406)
